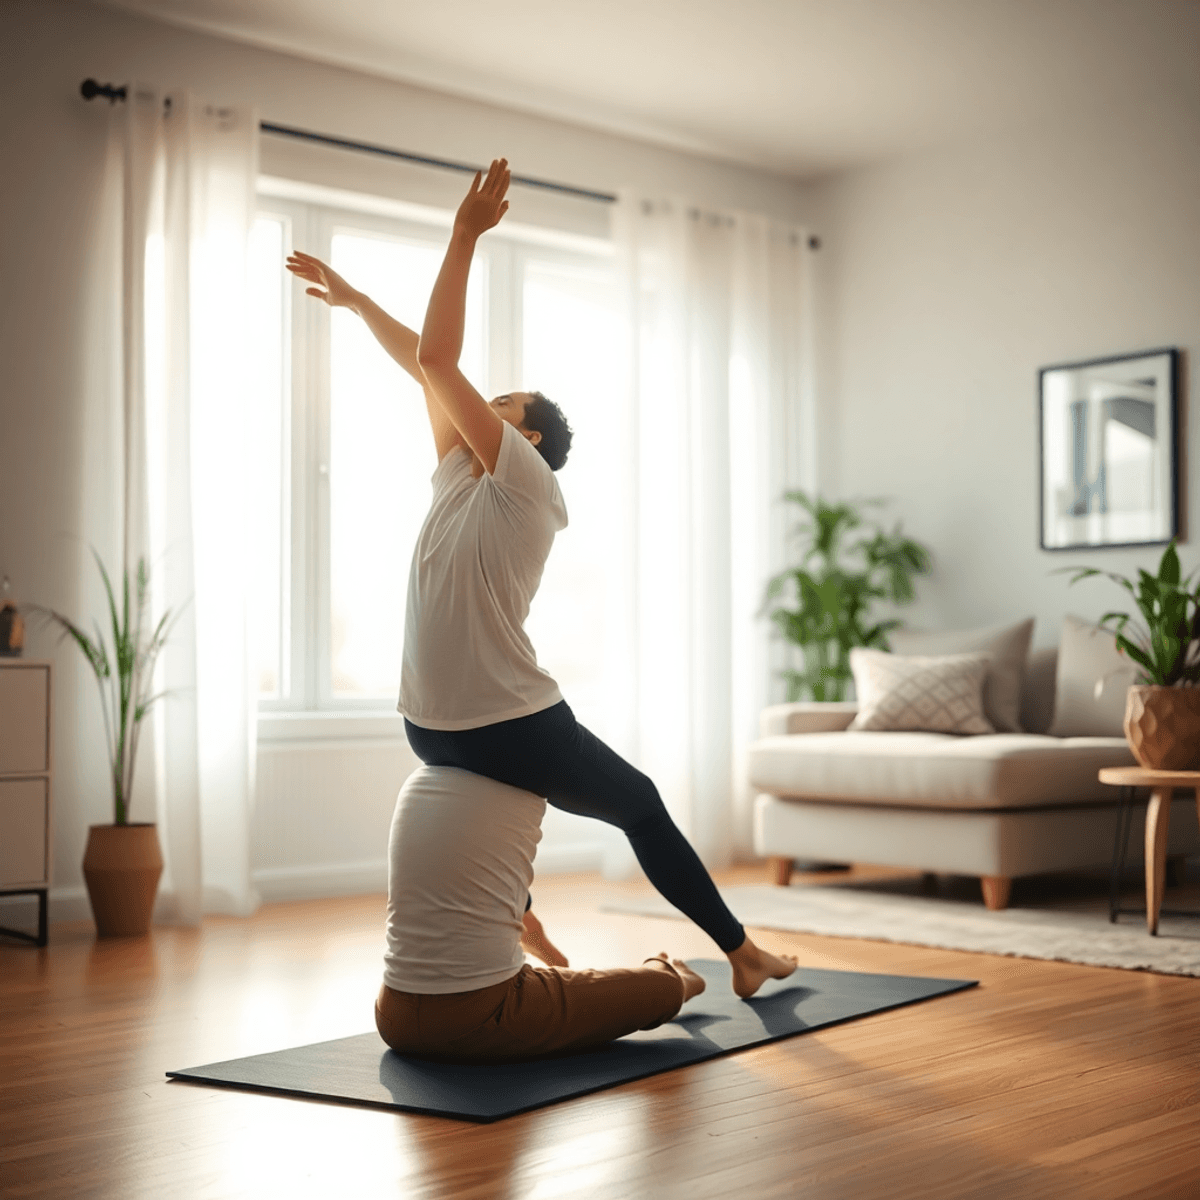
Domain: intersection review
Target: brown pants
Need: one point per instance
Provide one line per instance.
(539, 1011)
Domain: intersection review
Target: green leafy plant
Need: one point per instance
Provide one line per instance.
(124, 673)
(1165, 643)
(828, 597)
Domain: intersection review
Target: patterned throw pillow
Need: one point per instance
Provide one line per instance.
(1007, 644)
(934, 695)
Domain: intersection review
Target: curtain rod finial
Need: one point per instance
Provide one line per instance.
(89, 89)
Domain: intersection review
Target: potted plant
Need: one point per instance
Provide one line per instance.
(834, 587)
(1162, 710)
(123, 862)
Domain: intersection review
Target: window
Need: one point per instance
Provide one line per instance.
(380, 458)
(268, 431)
(344, 453)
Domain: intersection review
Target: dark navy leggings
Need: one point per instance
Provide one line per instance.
(550, 754)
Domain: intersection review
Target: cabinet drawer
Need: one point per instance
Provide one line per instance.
(24, 727)
(23, 829)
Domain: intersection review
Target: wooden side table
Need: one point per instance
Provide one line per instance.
(1158, 815)
(26, 838)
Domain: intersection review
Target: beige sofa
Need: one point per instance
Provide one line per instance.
(996, 805)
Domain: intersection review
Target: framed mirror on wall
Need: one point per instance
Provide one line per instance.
(1109, 441)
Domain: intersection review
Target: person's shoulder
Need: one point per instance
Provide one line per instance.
(525, 476)
(520, 444)
(519, 458)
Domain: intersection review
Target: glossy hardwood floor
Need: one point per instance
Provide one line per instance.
(1047, 1080)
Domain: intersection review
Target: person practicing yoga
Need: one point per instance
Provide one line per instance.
(455, 983)
(471, 691)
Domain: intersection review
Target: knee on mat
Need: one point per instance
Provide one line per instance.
(667, 990)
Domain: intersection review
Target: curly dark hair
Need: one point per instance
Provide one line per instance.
(547, 418)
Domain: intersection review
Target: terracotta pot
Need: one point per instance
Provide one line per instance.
(122, 865)
(1162, 726)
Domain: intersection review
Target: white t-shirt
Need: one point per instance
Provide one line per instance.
(459, 869)
(476, 567)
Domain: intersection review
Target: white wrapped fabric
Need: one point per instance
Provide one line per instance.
(459, 868)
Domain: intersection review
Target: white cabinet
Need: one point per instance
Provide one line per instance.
(26, 845)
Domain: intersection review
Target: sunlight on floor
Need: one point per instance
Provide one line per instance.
(991, 1092)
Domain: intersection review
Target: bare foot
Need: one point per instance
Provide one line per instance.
(753, 966)
(534, 941)
(693, 984)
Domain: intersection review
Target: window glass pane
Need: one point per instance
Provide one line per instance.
(267, 428)
(381, 456)
(571, 353)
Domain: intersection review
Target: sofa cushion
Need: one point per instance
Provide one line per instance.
(1088, 659)
(937, 770)
(1037, 690)
(1009, 648)
(939, 695)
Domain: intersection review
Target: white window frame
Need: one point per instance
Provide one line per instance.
(306, 709)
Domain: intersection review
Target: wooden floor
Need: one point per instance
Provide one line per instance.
(1047, 1080)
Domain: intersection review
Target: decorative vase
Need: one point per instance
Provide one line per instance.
(1162, 726)
(121, 866)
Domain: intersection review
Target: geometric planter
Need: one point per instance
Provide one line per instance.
(121, 866)
(1162, 726)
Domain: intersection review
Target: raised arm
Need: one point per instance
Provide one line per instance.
(442, 334)
(398, 340)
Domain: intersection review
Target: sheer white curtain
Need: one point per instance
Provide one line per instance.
(719, 318)
(188, 173)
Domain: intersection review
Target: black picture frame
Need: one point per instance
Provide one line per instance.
(1096, 496)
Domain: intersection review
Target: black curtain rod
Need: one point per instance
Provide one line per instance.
(90, 89)
(306, 135)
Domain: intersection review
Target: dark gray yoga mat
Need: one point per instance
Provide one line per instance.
(362, 1070)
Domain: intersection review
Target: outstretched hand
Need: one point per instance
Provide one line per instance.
(333, 289)
(485, 203)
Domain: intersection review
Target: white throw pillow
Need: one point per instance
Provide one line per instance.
(1007, 644)
(1088, 657)
(934, 695)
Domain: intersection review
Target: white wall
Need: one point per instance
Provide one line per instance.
(322, 814)
(948, 279)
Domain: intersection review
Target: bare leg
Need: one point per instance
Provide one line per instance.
(534, 941)
(753, 966)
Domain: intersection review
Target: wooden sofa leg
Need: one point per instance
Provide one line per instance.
(996, 890)
(781, 870)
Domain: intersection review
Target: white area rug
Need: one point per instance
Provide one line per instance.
(1065, 928)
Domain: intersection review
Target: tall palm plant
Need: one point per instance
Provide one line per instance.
(839, 578)
(124, 673)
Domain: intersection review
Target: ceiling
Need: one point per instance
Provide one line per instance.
(799, 87)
